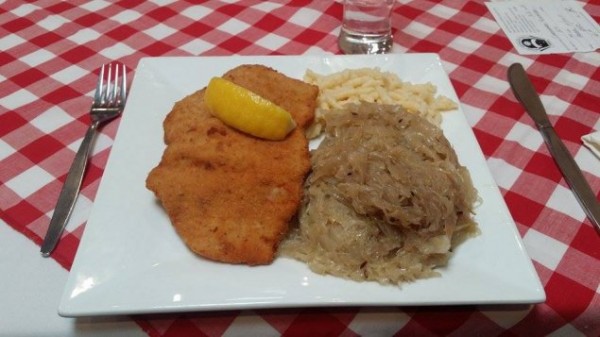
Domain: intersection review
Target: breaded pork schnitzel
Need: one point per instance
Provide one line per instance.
(230, 196)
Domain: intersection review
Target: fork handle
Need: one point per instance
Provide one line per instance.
(69, 192)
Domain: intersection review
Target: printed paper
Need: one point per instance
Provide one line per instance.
(547, 27)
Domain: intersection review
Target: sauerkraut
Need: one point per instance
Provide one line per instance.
(387, 199)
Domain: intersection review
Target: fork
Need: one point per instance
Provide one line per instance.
(109, 101)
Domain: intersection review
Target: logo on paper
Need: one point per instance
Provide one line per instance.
(534, 43)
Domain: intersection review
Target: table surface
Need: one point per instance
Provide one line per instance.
(49, 55)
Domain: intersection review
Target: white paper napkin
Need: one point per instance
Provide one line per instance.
(592, 142)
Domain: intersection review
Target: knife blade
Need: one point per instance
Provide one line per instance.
(526, 94)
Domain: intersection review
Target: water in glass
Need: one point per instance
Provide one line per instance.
(366, 27)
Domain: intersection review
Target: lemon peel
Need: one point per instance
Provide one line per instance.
(246, 111)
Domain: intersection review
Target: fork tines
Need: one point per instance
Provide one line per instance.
(111, 89)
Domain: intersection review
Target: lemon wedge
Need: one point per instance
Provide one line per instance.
(246, 111)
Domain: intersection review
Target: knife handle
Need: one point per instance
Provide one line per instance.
(573, 175)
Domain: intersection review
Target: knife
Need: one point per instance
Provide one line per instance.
(526, 94)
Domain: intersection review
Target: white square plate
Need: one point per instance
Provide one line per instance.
(130, 259)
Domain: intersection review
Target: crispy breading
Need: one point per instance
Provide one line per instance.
(230, 196)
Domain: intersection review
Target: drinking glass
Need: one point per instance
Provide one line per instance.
(366, 27)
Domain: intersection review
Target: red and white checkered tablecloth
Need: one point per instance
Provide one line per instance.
(49, 55)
